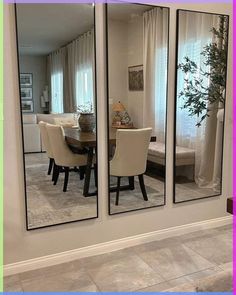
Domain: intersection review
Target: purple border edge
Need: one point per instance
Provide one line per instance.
(234, 68)
(234, 150)
(114, 1)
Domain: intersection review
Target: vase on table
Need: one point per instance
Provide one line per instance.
(87, 122)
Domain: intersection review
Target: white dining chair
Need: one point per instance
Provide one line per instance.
(130, 158)
(46, 145)
(64, 158)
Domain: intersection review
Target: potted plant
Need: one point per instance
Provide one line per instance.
(199, 97)
(86, 117)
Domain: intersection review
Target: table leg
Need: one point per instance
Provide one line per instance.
(88, 172)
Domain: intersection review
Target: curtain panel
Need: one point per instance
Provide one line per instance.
(57, 67)
(155, 28)
(71, 72)
(193, 37)
(80, 69)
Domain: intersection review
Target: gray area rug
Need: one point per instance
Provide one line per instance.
(48, 204)
(133, 199)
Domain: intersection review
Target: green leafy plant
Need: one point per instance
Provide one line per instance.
(198, 96)
(86, 108)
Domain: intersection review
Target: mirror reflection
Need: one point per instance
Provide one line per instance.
(137, 40)
(58, 103)
(200, 101)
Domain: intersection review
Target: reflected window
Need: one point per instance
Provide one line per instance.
(57, 92)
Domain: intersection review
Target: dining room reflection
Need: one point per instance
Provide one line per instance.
(200, 102)
(137, 42)
(58, 103)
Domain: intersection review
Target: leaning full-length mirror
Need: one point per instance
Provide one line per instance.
(200, 101)
(57, 85)
(137, 44)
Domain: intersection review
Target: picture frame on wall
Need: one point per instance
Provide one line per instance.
(26, 93)
(26, 79)
(136, 78)
(27, 106)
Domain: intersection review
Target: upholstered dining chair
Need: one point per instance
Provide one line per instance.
(64, 158)
(130, 156)
(46, 145)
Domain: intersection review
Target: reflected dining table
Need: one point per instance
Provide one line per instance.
(87, 142)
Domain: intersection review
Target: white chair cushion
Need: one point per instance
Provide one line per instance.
(130, 156)
(158, 149)
(49, 118)
(62, 154)
(29, 119)
(65, 121)
(32, 142)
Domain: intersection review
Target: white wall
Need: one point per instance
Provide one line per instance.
(37, 66)
(125, 49)
(21, 245)
(135, 57)
(118, 59)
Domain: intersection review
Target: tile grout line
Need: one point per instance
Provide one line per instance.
(134, 252)
(213, 264)
(87, 272)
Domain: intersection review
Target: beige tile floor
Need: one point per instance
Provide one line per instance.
(173, 264)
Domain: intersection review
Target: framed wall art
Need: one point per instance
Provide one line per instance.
(26, 80)
(26, 93)
(27, 106)
(136, 78)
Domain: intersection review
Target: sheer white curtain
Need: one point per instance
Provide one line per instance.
(155, 23)
(57, 67)
(194, 34)
(81, 70)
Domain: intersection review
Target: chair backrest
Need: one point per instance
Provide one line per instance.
(61, 152)
(131, 151)
(45, 139)
(65, 122)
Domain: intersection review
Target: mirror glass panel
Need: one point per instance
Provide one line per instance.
(200, 101)
(137, 42)
(58, 104)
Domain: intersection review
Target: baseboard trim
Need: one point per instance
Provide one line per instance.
(54, 259)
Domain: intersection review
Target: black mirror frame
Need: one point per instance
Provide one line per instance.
(108, 113)
(175, 109)
(22, 131)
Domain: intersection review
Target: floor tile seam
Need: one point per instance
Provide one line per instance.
(225, 269)
(49, 275)
(54, 275)
(149, 286)
(185, 275)
(41, 276)
(193, 273)
(212, 262)
(196, 252)
(164, 280)
(194, 239)
(146, 264)
(22, 286)
(91, 278)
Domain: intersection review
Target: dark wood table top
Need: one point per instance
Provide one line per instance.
(77, 138)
